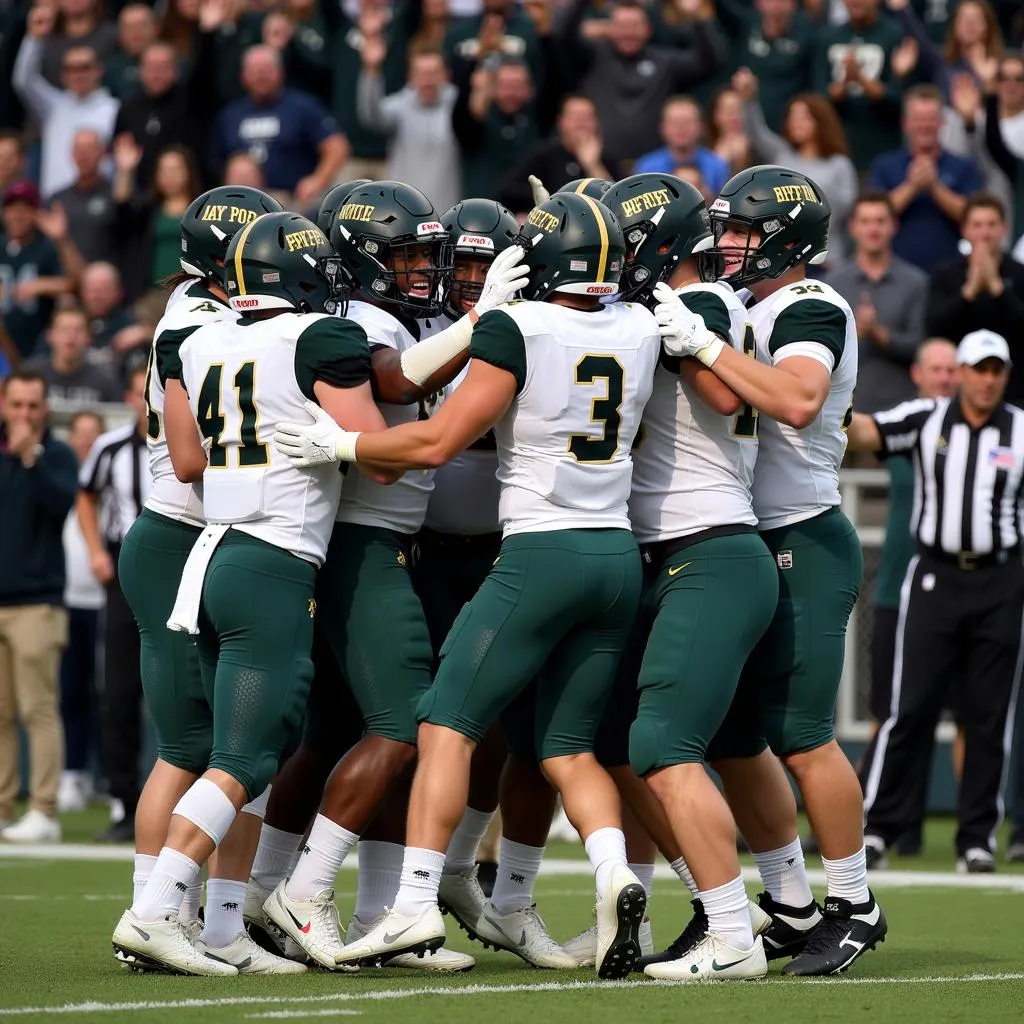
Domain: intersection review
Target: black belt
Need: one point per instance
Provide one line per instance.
(657, 551)
(971, 560)
(464, 542)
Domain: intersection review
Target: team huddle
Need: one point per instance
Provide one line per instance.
(450, 513)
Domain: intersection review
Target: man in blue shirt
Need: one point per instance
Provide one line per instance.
(928, 187)
(291, 135)
(681, 131)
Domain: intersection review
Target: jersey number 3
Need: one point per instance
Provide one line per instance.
(603, 411)
(212, 422)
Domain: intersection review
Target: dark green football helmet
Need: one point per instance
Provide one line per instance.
(394, 248)
(333, 200)
(212, 220)
(787, 211)
(573, 244)
(664, 220)
(479, 229)
(283, 261)
(593, 187)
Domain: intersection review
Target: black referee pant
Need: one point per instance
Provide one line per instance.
(122, 696)
(956, 624)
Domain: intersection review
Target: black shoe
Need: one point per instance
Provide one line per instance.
(486, 876)
(874, 854)
(691, 935)
(845, 932)
(909, 844)
(122, 831)
(976, 861)
(790, 929)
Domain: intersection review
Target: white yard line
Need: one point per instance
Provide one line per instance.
(386, 995)
(563, 867)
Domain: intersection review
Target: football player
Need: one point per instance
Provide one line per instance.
(563, 380)
(247, 587)
(770, 224)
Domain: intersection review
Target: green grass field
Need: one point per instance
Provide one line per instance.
(955, 952)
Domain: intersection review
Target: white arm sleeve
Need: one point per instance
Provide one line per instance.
(426, 357)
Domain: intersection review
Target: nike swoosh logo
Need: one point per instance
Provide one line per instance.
(716, 966)
(871, 918)
(145, 935)
(304, 928)
(390, 937)
(853, 943)
(673, 570)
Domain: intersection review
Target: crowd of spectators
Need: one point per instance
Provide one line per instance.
(908, 113)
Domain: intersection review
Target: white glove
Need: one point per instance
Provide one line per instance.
(319, 443)
(505, 276)
(540, 193)
(683, 332)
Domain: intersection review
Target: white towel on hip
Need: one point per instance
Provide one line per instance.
(185, 613)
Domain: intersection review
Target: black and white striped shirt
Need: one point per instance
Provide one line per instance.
(967, 482)
(117, 471)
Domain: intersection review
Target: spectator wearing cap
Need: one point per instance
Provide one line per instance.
(983, 289)
(682, 129)
(417, 120)
(291, 135)
(927, 185)
(88, 202)
(33, 269)
(62, 112)
(136, 29)
(888, 297)
(629, 79)
(73, 380)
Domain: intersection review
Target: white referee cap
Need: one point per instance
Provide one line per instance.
(980, 345)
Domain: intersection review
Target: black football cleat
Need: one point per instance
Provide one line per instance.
(790, 929)
(846, 931)
(690, 936)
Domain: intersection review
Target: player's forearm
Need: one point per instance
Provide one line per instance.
(87, 509)
(862, 435)
(771, 390)
(419, 445)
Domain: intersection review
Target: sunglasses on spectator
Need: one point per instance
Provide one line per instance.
(80, 66)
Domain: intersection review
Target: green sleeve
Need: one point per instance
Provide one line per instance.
(498, 340)
(167, 344)
(712, 309)
(332, 350)
(810, 320)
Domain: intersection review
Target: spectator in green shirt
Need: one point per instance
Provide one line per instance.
(136, 29)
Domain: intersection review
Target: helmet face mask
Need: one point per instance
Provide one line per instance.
(467, 282)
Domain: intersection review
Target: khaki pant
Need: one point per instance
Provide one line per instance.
(32, 638)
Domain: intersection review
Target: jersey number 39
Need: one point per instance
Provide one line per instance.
(251, 452)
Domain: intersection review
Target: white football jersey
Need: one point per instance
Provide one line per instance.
(564, 444)
(692, 467)
(190, 306)
(797, 472)
(244, 378)
(464, 501)
(400, 506)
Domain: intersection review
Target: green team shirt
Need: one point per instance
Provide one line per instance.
(898, 548)
(26, 319)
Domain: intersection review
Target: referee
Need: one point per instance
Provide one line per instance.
(962, 598)
(114, 484)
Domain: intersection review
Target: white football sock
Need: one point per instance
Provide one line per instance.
(172, 874)
(421, 878)
(518, 866)
(144, 864)
(680, 868)
(189, 909)
(224, 899)
(644, 872)
(274, 855)
(784, 875)
(848, 878)
(325, 851)
(728, 913)
(380, 872)
(606, 848)
(461, 855)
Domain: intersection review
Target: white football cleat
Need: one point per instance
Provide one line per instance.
(313, 924)
(461, 896)
(442, 960)
(620, 912)
(760, 922)
(393, 934)
(163, 946)
(583, 948)
(257, 920)
(713, 959)
(34, 827)
(248, 958)
(524, 933)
